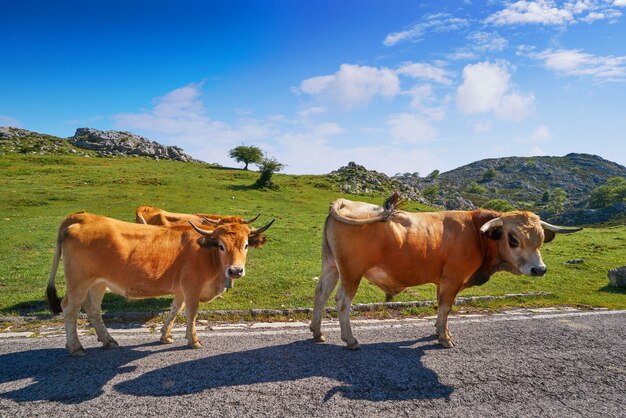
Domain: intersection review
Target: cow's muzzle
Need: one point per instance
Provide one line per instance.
(538, 270)
(235, 272)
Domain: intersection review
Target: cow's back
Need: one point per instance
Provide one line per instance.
(411, 249)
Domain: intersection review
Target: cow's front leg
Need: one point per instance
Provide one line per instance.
(344, 298)
(166, 330)
(446, 293)
(191, 311)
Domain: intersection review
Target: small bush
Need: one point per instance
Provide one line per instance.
(476, 188)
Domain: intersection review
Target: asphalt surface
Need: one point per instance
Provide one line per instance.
(561, 363)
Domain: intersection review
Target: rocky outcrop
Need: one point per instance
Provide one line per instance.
(526, 183)
(356, 179)
(586, 216)
(617, 277)
(22, 141)
(115, 143)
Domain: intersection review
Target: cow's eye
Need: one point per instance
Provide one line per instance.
(245, 247)
(513, 242)
(222, 248)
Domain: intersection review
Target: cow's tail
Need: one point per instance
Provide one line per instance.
(54, 301)
(391, 208)
(327, 252)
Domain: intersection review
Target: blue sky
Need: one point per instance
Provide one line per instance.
(397, 86)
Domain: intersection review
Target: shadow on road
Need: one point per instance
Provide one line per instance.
(378, 372)
(52, 375)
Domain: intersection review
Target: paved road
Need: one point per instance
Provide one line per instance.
(564, 363)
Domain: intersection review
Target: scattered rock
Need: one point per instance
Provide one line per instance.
(114, 143)
(576, 261)
(356, 179)
(617, 277)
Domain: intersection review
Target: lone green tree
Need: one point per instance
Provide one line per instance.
(268, 166)
(246, 154)
(557, 200)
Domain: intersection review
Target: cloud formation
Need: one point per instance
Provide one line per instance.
(441, 22)
(426, 72)
(549, 13)
(487, 88)
(353, 85)
(575, 62)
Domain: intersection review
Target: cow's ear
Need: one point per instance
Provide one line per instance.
(206, 242)
(548, 235)
(257, 240)
(494, 233)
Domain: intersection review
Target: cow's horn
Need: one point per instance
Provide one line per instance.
(201, 231)
(494, 223)
(211, 221)
(558, 230)
(262, 229)
(249, 221)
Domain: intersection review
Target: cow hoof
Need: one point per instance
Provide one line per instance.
(446, 343)
(197, 344)
(78, 352)
(110, 344)
(167, 340)
(319, 338)
(354, 346)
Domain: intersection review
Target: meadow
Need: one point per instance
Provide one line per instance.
(38, 191)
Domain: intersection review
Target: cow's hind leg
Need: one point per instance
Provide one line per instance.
(92, 306)
(71, 303)
(325, 286)
(446, 293)
(166, 331)
(344, 296)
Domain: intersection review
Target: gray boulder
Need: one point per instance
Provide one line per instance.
(617, 277)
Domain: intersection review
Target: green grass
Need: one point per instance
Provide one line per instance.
(37, 192)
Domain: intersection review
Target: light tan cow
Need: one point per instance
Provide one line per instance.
(156, 216)
(395, 249)
(141, 261)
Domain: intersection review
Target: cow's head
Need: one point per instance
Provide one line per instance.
(520, 235)
(232, 241)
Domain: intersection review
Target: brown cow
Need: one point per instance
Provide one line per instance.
(395, 249)
(141, 261)
(156, 216)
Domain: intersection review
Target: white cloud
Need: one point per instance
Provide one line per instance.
(547, 12)
(299, 151)
(425, 71)
(411, 129)
(353, 85)
(424, 101)
(9, 121)
(486, 41)
(486, 88)
(541, 134)
(575, 62)
(311, 111)
(180, 118)
(327, 129)
(536, 152)
(438, 23)
(481, 127)
(543, 12)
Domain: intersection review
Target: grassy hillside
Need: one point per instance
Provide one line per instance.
(38, 191)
